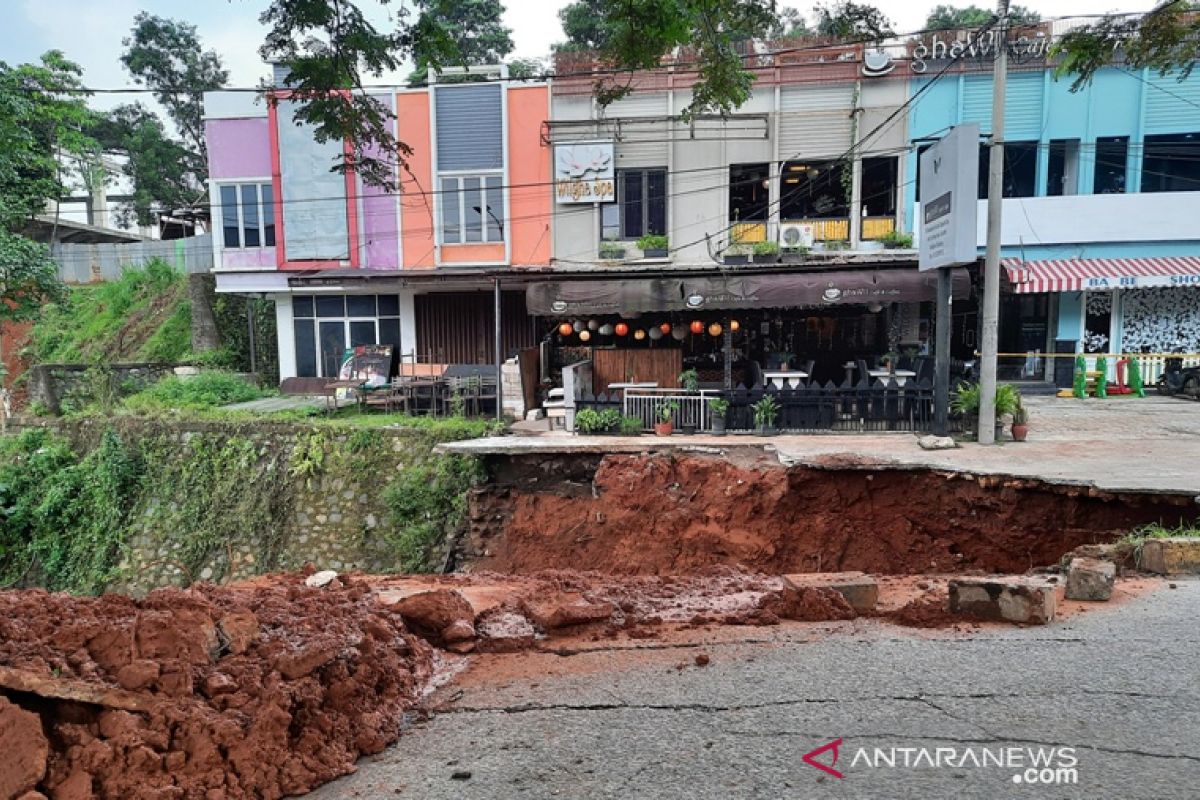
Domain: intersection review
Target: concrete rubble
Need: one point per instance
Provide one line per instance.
(1026, 601)
(860, 590)
(1178, 555)
(1090, 579)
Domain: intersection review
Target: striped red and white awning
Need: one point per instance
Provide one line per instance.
(1101, 274)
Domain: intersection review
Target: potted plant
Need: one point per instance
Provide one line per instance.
(718, 407)
(689, 379)
(631, 426)
(1020, 423)
(785, 360)
(766, 252)
(653, 245)
(894, 240)
(793, 255)
(966, 402)
(612, 251)
(736, 254)
(662, 418)
(1008, 400)
(765, 412)
(588, 422)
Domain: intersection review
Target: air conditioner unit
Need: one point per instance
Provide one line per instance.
(795, 234)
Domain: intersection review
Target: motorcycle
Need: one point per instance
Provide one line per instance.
(1178, 380)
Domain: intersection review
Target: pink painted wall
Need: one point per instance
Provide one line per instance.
(249, 258)
(238, 148)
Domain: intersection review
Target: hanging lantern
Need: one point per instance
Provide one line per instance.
(697, 327)
(593, 325)
(621, 329)
(680, 334)
(734, 325)
(665, 328)
(584, 336)
(715, 329)
(565, 329)
(577, 326)
(606, 329)
(640, 334)
(656, 334)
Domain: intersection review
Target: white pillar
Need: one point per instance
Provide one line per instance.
(285, 335)
(408, 323)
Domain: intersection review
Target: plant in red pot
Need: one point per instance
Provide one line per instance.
(1020, 423)
(663, 415)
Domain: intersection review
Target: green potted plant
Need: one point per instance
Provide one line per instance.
(689, 379)
(766, 252)
(1020, 423)
(736, 254)
(588, 422)
(612, 251)
(663, 416)
(653, 245)
(894, 240)
(631, 426)
(766, 411)
(718, 407)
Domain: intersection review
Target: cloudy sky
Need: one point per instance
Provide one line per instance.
(90, 31)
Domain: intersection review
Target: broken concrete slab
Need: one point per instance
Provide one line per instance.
(936, 443)
(319, 579)
(860, 590)
(1027, 601)
(1090, 579)
(1177, 555)
(79, 691)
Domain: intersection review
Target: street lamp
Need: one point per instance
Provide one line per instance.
(495, 219)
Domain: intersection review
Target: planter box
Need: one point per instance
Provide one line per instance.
(654, 253)
(791, 258)
(736, 260)
(612, 255)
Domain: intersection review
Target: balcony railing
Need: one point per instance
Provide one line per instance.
(877, 227)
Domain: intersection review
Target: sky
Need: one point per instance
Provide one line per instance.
(90, 31)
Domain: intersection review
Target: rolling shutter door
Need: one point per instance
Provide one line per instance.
(470, 127)
(815, 121)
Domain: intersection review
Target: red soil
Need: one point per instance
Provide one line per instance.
(662, 514)
(206, 693)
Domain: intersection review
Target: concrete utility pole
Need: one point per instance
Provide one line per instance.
(991, 264)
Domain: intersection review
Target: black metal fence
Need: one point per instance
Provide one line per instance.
(878, 406)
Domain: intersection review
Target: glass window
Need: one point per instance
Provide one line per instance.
(1020, 169)
(333, 346)
(494, 218)
(302, 306)
(229, 216)
(389, 332)
(641, 206)
(362, 332)
(331, 306)
(656, 201)
(1062, 167)
(268, 210)
(632, 204)
(1171, 163)
(251, 229)
(749, 193)
(451, 202)
(389, 305)
(813, 190)
(879, 186)
(472, 210)
(360, 305)
(306, 348)
(610, 221)
(1111, 154)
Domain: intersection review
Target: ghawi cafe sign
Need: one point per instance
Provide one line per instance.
(583, 172)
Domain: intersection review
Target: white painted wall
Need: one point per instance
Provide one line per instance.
(1090, 219)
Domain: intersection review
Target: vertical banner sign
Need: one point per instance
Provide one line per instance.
(949, 206)
(583, 173)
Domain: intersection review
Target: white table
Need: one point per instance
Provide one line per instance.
(785, 379)
(633, 385)
(900, 376)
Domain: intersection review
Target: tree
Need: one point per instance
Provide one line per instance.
(1165, 39)
(849, 20)
(167, 57)
(165, 174)
(584, 26)
(791, 24)
(946, 17)
(28, 278)
(475, 27)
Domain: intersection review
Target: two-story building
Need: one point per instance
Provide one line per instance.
(348, 263)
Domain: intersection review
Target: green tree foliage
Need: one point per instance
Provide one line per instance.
(791, 24)
(849, 20)
(947, 17)
(1166, 39)
(474, 26)
(28, 278)
(165, 174)
(166, 56)
(584, 25)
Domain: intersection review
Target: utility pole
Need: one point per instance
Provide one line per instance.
(991, 264)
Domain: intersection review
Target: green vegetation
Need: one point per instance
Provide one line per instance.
(1132, 542)
(689, 379)
(426, 503)
(144, 316)
(894, 240)
(589, 421)
(209, 389)
(653, 241)
(631, 426)
(718, 406)
(766, 411)
(766, 249)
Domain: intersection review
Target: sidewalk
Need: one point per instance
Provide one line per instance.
(1121, 444)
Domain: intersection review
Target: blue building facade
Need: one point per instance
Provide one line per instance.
(1101, 234)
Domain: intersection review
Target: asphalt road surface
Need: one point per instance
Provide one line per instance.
(1120, 686)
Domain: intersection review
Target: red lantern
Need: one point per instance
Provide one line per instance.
(734, 325)
(715, 329)
(665, 328)
(620, 329)
(697, 327)
(565, 329)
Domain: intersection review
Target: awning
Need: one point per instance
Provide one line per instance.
(1101, 274)
(819, 289)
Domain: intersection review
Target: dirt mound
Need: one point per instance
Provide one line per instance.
(923, 612)
(211, 692)
(676, 514)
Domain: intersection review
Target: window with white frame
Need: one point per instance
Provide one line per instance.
(325, 326)
(247, 215)
(472, 209)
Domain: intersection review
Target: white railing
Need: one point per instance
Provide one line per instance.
(691, 408)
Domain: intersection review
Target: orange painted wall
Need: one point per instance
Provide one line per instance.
(418, 211)
(472, 253)
(529, 163)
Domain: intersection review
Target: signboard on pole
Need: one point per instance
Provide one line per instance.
(949, 202)
(583, 173)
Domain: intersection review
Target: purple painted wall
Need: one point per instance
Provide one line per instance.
(380, 222)
(238, 148)
(250, 257)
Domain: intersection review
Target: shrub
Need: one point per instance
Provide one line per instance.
(718, 406)
(631, 426)
(589, 420)
(896, 240)
(766, 249)
(653, 241)
(426, 503)
(689, 379)
(765, 411)
(209, 389)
